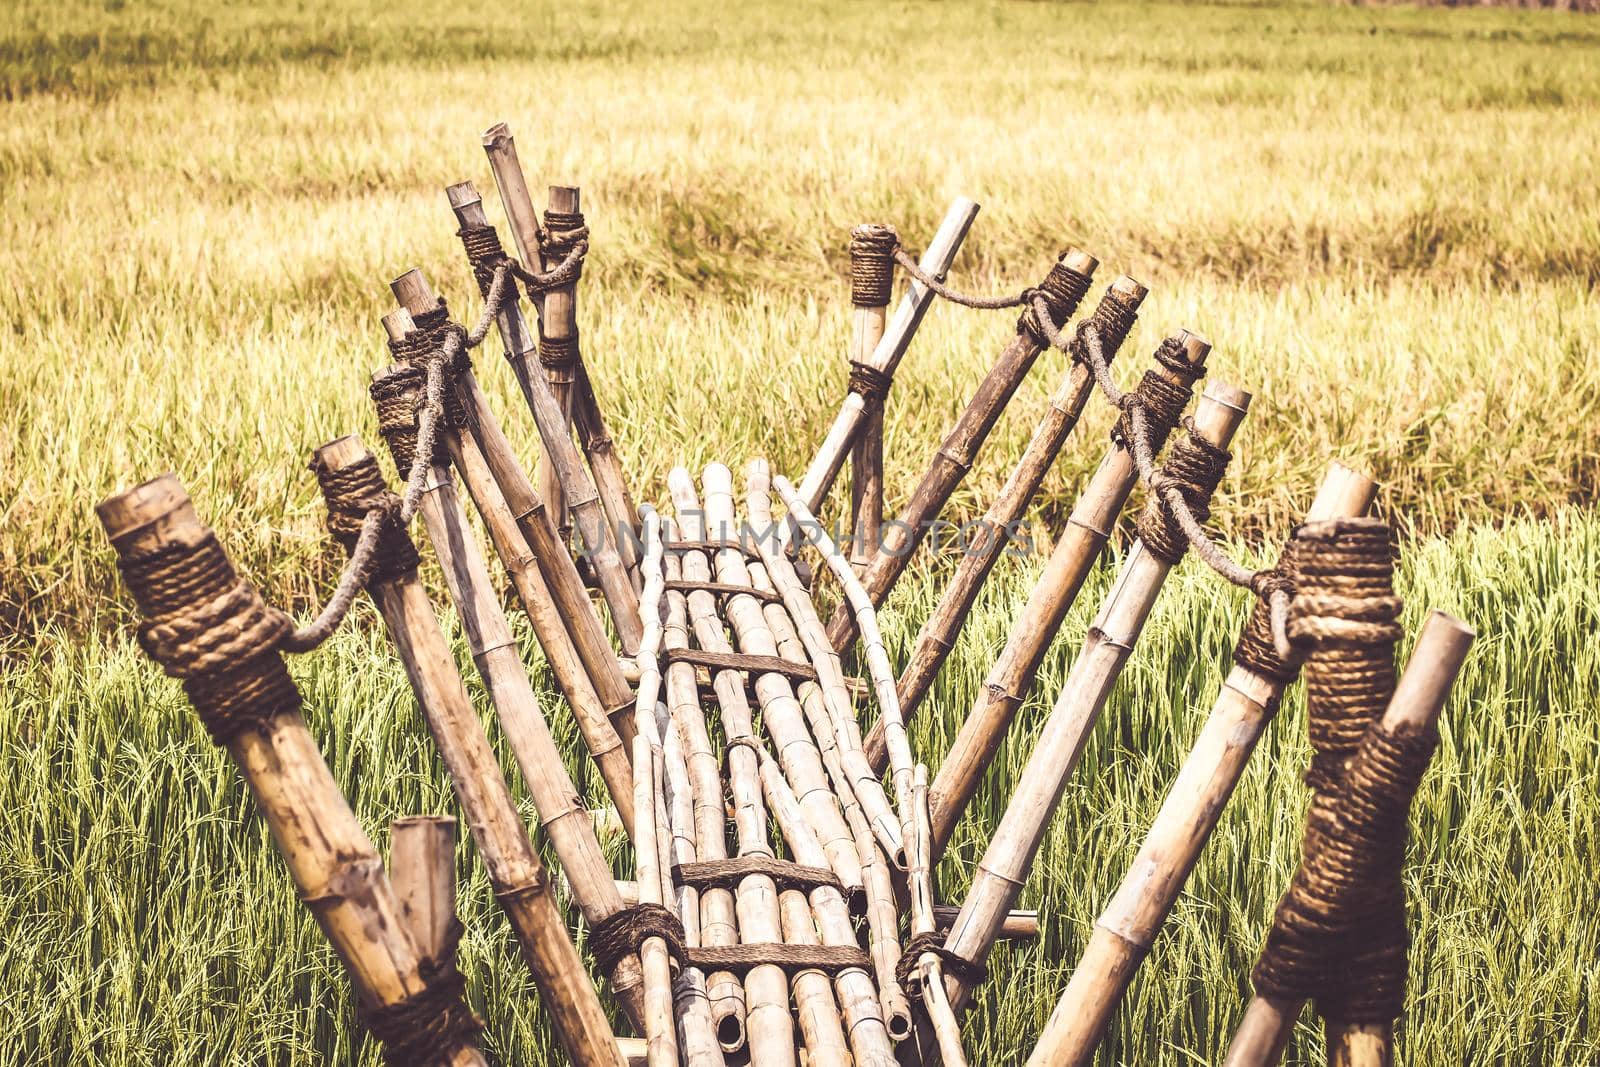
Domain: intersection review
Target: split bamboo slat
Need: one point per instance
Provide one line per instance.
(940, 629)
(1009, 858)
(457, 549)
(604, 543)
(1082, 539)
(425, 654)
(891, 348)
(766, 1028)
(954, 457)
(334, 864)
(1128, 926)
(604, 462)
(413, 293)
(1419, 699)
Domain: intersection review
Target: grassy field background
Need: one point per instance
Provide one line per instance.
(1384, 218)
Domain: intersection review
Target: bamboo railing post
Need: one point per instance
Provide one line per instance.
(1009, 858)
(1066, 285)
(608, 541)
(768, 1028)
(1011, 677)
(1419, 699)
(717, 925)
(350, 476)
(416, 296)
(422, 866)
(185, 586)
(781, 713)
(930, 970)
(871, 285)
(938, 635)
(852, 417)
(1127, 928)
(606, 722)
(661, 1032)
(525, 232)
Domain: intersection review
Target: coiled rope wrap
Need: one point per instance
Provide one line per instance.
(429, 1027)
(485, 254)
(352, 493)
(210, 629)
(872, 265)
(426, 343)
(955, 965)
(1194, 468)
(1056, 299)
(1339, 935)
(397, 393)
(1256, 650)
(1163, 398)
(620, 934)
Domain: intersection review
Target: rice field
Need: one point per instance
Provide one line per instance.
(1384, 218)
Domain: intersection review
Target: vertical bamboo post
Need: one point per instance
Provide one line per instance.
(781, 713)
(1009, 858)
(491, 811)
(930, 971)
(607, 539)
(1419, 699)
(601, 702)
(660, 1028)
(768, 1028)
(943, 625)
(1066, 283)
(885, 358)
(416, 296)
(871, 285)
(1011, 677)
(1127, 928)
(177, 573)
(422, 866)
(525, 232)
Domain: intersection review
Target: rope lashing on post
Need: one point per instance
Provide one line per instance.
(1163, 398)
(955, 965)
(872, 256)
(619, 935)
(210, 629)
(1192, 472)
(1339, 935)
(427, 1028)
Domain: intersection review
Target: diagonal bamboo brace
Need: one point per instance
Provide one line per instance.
(1008, 860)
(187, 590)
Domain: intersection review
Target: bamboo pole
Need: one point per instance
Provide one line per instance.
(840, 723)
(871, 282)
(422, 866)
(597, 443)
(858, 997)
(332, 861)
(961, 445)
(491, 810)
(1011, 677)
(1419, 699)
(768, 1028)
(939, 631)
(412, 292)
(660, 1027)
(891, 348)
(930, 970)
(718, 923)
(781, 713)
(1009, 859)
(608, 542)
(1127, 928)
(605, 718)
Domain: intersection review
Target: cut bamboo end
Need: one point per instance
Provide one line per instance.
(422, 866)
(1424, 687)
(412, 291)
(1076, 259)
(397, 324)
(1344, 491)
(1195, 347)
(341, 452)
(463, 196)
(566, 199)
(147, 514)
(1130, 289)
(1220, 411)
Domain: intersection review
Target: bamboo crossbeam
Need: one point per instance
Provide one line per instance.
(961, 445)
(765, 1027)
(333, 863)
(1011, 677)
(1128, 926)
(414, 294)
(1419, 699)
(514, 867)
(781, 713)
(608, 544)
(605, 721)
(1009, 858)
(891, 348)
(596, 439)
(938, 635)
